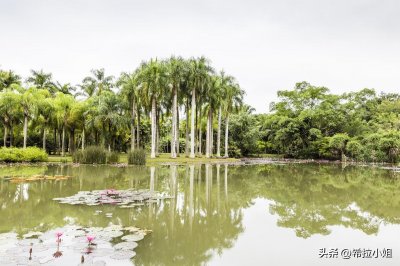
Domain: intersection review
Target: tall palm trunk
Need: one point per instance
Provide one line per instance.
(138, 128)
(197, 130)
(174, 120)
(71, 145)
(187, 129)
(44, 139)
(226, 135)
(200, 136)
(83, 138)
(11, 134)
(157, 131)
(209, 140)
(5, 135)
(219, 134)
(153, 127)
(177, 132)
(211, 135)
(55, 140)
(192, 153)
(133, 126)
(63, 141)
(25, 129)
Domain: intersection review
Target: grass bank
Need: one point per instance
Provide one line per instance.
(162, 158)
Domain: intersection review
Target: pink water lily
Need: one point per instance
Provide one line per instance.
(90, 239)
(58, 235)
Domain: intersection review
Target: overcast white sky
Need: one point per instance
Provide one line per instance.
(268, 45)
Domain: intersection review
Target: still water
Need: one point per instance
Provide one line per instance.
(274, 214)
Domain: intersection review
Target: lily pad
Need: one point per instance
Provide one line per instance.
(126, 245)
(134, 237)
(123, 255)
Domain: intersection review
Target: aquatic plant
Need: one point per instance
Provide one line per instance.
(90, 239)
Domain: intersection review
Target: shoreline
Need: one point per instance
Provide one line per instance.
(162, 160)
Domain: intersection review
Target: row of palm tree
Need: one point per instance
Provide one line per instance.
(106, 111)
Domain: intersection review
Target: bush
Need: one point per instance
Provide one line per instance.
(91, 155)
(77, 157)
(354, 149)
(30, 154)
(112, 157)
(137, 157)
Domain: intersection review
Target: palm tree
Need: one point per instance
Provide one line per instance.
(9, 111)
(42, 80)
(29, 104)
(45, 112)
(233, 99)
(63, 105)
(199, 74)
(65, 88)
(176, 71)
(225, 81)
(98, 83)
(109, 116)
(129, 90)
(7, 78)
(153, 80)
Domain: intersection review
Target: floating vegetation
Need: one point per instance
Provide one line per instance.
(72, 245)
(123, 198)
(25, 179)
(123, 254)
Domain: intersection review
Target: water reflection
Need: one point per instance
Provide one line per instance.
(205, 214)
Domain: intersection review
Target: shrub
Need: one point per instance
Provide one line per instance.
(355, 149)
(137, 157)
(91, 155)
(112, 157)
(77, 157)
(30, 154)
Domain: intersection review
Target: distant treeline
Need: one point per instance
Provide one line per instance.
(311, 122)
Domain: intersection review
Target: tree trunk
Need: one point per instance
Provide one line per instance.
(157, 131)
(55, 140)
(83, 138)
(11, 134)
(5, 135)
(44, 139)
(219, 133)
(209, 134)
(226, 135)
(192, 153)
(197, 129)
(25, 130)
(71, 144)
(133, 126)
(177, 132)
(138, 128)
(63, 141)
(200, 138)
(187, 129)
(153, 128)
(174, 116)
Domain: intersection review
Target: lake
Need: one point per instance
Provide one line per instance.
(271, 214)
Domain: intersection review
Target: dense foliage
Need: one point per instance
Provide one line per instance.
(30, 154)
(310, 122)
(173, 105)
(184, 106)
